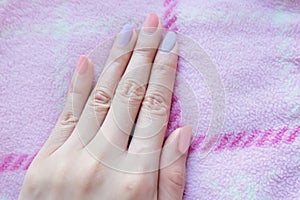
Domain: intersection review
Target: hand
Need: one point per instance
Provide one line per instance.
(110, 144)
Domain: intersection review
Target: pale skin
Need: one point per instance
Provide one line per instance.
(89, 154)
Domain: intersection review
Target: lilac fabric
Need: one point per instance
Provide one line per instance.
(255, 48)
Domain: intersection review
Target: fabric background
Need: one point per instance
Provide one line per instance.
(255, 46)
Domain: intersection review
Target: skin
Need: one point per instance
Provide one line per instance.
(89, 154)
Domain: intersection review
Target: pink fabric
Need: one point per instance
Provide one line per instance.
(254, 45)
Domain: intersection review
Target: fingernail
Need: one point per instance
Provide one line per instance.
(184, 139)
(151, 23)
(168, 42)
(82, 65)
(125, 35)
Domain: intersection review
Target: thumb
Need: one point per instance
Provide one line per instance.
(172, 174)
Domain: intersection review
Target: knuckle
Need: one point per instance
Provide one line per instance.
(176, 178)
(133, 184)
(130, 89)
(102, 95)
(144, 53)
(120, 59)
(101, 99)
(162, 69)
(88, 179)
(155, 103)
(64, 175)
(169, 60)
(69, 119)
(139, 184)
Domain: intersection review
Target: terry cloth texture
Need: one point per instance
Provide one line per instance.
(254, 46)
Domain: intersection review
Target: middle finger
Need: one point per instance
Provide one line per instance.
(131, 90)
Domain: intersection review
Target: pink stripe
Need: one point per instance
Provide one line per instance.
(279, 135)
(264, 138)
(169, 10)
(170, 21)
(224, 141)
(7, 162)
(237, 140)
(175, 29)
(13, 162)
(195, 144)
(168, 13)
(293, 135)
(29, 161)
(251, 138)
(19, 162)
(166, 2)
(211, 143)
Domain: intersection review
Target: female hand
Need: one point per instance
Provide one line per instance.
(110, 144)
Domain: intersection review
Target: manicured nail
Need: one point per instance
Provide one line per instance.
(184, 139)
(125, 35)
(168, 42)
(82, 65)
(151, 23)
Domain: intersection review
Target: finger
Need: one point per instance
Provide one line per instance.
(131, 89)
(154, 114)
(173, 164)
(78, 93)
(99, 101)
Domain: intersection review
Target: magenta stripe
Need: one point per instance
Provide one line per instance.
(231, 141)
(166, 2)
(292, 137)
(237, 140)
(279, 135)
(29, 161)
(224, 141)
(195, 145)
(5, 165)
(170, 10)
(170, 16)
(171, 21)
(254, 134)
(13, 162)
(16, 165)
(211, 143)
(264, 137)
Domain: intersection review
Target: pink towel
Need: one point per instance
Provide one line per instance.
(242, 91)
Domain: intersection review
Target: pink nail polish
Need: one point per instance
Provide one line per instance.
(184, 139)
(151, 23)
(82, 65)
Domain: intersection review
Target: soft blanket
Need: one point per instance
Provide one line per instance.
(242, 90)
